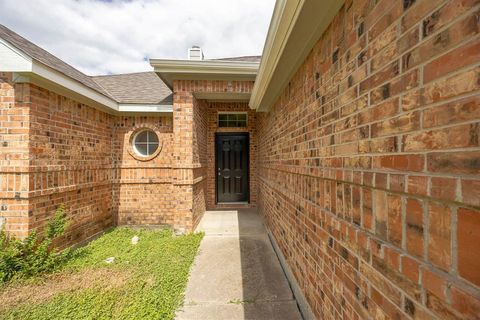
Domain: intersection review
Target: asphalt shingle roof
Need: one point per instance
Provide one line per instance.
(136, 88)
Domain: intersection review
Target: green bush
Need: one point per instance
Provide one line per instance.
(31, 256)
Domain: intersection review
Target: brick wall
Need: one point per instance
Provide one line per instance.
(143, 190)
(58, 151)
(200, 158)
(193, 142)
(69, 162)
(186, 172)
(55, 151)
(368, 164)
(14, 155)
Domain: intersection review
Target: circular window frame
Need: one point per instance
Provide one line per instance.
(133, 150)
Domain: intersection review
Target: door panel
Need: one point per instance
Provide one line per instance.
(232, 167)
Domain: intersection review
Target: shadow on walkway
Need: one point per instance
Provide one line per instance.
(237, 274)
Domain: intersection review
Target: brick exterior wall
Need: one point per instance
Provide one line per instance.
(70, 163)
(194, 134)
(366, 169)
(14, 155)
(143, 190)
(55, 151)
(368, 164)
(200, 160)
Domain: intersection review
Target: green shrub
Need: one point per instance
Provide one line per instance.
(31, 256)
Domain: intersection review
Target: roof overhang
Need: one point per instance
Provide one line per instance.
(223, 96)
(28, 70)
(295, 28)
(170, 70)
(146, 108)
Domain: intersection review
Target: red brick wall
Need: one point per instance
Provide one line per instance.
(186, 172)
(369, 163)
(200, 158)
(70, 146)
(14, 155)
(57, 151)
(143, 190)
(193, 143)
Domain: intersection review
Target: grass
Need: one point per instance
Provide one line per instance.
(146, 281)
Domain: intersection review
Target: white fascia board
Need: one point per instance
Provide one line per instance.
(205, 66)
(13, 60)
(50, 79)
(284, 16)
(295, 28)
(170, 70)
(56, 77)
(146, 108)
(26, 69)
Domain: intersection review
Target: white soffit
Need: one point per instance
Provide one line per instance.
(223, 96)
(26, 69)
(170, 70)
(12, 59)
(56, 77)
(296, 27)
(145, 108)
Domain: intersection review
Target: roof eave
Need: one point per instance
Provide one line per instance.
(295, 28)
(170, 70)
(56, 78)
(134, 108)
(25, 69)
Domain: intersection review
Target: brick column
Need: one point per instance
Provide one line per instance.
(14, 156)
(183, 157)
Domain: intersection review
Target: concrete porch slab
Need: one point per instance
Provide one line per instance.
(237, 274)
(231, 223)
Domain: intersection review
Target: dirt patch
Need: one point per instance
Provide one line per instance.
(104, 278)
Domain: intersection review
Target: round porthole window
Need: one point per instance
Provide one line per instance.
(145, 143)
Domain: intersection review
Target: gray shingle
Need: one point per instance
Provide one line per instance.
(136, 88)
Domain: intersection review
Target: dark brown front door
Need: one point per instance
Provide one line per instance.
(232, 166)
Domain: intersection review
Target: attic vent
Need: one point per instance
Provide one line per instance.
(195, 53)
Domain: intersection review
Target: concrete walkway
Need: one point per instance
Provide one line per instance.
(237, 274)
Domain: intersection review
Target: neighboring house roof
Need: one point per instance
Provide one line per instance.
(48, 59)
(244, 58)
(136, 88)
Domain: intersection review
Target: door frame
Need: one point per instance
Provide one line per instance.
(219, 134)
